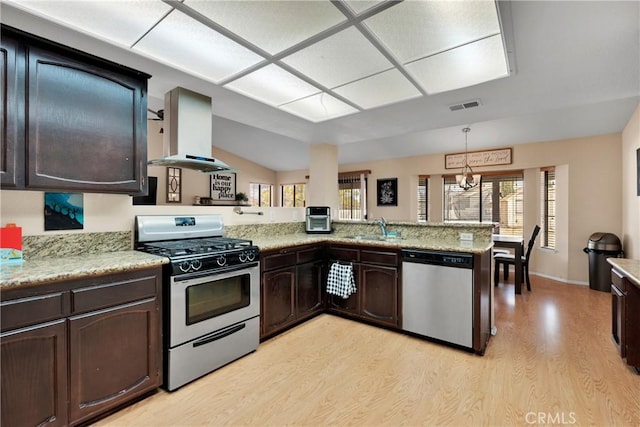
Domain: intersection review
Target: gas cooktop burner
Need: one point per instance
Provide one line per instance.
(213, 245)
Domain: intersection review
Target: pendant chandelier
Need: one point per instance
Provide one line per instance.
(467, 179)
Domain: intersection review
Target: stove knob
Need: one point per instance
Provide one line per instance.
(196, 264)
(243, 257)
(251, 256)
(221, 260)
(184, 266)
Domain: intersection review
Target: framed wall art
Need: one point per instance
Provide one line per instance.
(63, 211)
(223, 186)
(388, 192)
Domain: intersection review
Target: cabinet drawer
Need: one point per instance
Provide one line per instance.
(309, 255)
(286, 259)
(344, 254)
(112, 294)
(32, 310)
(618, 280)
(381, 258)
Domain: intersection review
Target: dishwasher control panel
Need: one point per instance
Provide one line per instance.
(450, 259)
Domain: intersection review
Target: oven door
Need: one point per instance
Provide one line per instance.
(202, 303)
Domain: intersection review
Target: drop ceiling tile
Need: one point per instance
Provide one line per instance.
(271, 25)
(320, 107)
(187, 44)
(359, 6)
(415, 29)
(273, 85)
(384, 88)
(119, 21)
(339, 59)
(468, 65)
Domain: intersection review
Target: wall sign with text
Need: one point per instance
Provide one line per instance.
(223, 186)
(479, 158)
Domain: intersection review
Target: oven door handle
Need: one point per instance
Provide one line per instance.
(219, 335)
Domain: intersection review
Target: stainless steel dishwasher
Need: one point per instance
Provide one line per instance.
(437, 295)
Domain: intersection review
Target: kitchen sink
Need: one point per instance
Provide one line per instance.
(378, 237)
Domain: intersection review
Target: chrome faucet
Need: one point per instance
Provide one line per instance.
(383, 225)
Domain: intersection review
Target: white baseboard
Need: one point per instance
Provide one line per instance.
(559, 279)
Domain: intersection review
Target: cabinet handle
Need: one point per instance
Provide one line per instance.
(617, 291)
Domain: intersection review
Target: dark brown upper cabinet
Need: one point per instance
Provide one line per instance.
(71, 121)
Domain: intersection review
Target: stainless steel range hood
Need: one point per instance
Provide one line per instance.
(187, 133)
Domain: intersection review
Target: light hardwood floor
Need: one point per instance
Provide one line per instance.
(552, 362)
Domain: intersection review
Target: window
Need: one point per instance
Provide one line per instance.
(548, 207)
(292, 195)
(260, 195)
(498, 199)
(352, 195)
(423, 197)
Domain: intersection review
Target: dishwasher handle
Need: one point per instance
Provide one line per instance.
(447, 259)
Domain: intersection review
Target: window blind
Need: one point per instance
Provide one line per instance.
(423, 197)
(548, 207)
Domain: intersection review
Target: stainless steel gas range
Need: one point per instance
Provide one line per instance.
(211, 293)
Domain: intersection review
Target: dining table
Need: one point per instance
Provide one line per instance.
(517, 244)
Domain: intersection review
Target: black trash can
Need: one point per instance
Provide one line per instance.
(600, 247)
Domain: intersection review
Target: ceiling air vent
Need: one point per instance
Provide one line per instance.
(465, 105)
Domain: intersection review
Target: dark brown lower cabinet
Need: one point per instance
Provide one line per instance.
(376, 277)
(379, 294)
(109, 357)
(632, 312)
(291, 288)
(278, 300)
(309, 289)
(34, 375)
(74, 350)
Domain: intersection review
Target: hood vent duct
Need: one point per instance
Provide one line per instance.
(187, 134)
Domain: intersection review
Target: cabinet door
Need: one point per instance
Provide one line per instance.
(112, 357)
(351, 305)
(11, 113)
(278, 300)
(379, 294)
(86, 126)
(309, 289)
(632, 322)
(34, 375)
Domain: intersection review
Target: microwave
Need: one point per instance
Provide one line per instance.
(318, 219)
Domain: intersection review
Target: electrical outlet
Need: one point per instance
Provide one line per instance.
(466, 236)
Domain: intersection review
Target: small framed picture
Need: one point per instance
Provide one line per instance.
(388, 192)
(223, 186)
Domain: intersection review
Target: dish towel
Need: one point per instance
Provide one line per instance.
(340, 280)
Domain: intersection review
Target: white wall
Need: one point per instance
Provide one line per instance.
(630, 184)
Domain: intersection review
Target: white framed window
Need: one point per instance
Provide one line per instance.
(548, 207)
(352, 195)
(499, 199)
(260, 194)
(423, 198)
(292, 195)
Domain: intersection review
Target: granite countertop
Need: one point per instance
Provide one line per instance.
(48, 269)
(38, 271)
(443, 244)
(629, 267)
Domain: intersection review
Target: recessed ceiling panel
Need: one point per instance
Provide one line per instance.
(465, 66)
(119, 21)
(273, 85)
(384, 88)
(415, 29)
(271, 25)
(339, 59)
(359, 6)
(191, 46)
(320, 107)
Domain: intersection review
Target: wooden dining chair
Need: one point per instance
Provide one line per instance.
(509, 259)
